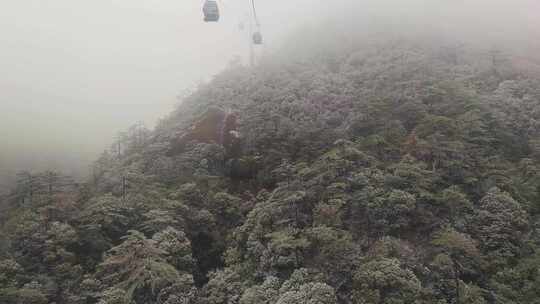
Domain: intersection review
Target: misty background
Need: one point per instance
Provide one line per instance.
(74, 73)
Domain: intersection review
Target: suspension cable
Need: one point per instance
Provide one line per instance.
(255, 13)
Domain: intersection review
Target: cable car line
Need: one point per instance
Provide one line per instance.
(211, 13)
(256, 36)
(255, 13)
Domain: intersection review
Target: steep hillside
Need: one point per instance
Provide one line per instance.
(395, 172)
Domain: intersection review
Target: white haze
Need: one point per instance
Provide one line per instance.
(75, 72)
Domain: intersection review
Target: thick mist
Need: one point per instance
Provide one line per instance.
(74, 73)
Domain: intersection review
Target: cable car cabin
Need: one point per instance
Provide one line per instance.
(211, 11)
(257, 38)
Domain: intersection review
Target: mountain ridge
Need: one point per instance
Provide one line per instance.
(400, 172)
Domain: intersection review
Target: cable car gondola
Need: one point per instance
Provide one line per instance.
(257, 38)
(211, 11)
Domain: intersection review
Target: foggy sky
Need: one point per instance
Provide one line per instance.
(73, 73)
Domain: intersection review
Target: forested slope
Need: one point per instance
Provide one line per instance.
(390, 172)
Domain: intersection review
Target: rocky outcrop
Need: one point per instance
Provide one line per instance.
(215, 126)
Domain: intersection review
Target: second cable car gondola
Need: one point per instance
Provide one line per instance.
(257, 38)
(211, 11)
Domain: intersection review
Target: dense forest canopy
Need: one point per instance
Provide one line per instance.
(345, 168)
